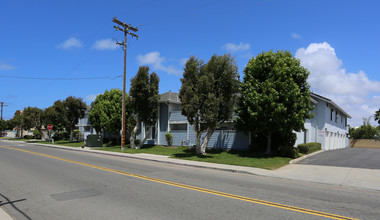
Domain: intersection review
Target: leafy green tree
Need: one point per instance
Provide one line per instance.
(51, 116)
(377, 116)
(32, 118)
(3, 125)
(69, 111)
(144, 102)
(275, 96)
(106, 112)
(16, 122)
(207, 95)
(366, 131)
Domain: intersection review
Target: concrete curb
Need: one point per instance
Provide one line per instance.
(340, 176)
(137, 156)
(304, 157)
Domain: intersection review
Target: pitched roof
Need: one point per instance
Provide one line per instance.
(171, 97)
(316, 96)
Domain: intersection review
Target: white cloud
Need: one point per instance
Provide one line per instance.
(90, 98)
(5, 66)
(354, 92)
(155, 61)
(183, 61)
(296, 36)
(237, 47)
(104, 44)
(72, 42)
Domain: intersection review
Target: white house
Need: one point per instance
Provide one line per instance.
(328, 127)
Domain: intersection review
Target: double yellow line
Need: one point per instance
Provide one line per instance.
(242, 198)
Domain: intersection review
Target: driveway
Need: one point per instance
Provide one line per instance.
(348, 157)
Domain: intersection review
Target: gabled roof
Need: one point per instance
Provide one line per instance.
(316, 96)
(171, 97)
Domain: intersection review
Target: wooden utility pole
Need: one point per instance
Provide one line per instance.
(126, 28)
(2, 105)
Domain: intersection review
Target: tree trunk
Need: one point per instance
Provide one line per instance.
(145, 138)
(71, 135)
(133, 134)
(269, 144)
(198, 135)
(210, 131)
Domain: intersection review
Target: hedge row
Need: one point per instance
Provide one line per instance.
(309, 147)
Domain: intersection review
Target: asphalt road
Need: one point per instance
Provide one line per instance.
(45, 183)
(366, 158)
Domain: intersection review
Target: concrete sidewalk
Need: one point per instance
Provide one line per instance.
(342, 176)
(4, 215)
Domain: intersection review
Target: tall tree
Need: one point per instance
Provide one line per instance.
(17, 122)
(3, 125)
(377, 116)
(275, 95)
(106, 112)
(32, 118)
(51, 116)
(144, 102)
(69, 112)
(208, 94)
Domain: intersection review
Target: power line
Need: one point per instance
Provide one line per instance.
(126, 28)
(78, 78)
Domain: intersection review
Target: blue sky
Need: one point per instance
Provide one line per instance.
(336, 40)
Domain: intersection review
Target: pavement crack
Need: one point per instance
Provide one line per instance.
(344, 179)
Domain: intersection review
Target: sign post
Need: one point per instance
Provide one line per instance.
(49, 127)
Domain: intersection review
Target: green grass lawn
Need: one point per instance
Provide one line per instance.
(222, 157)
(239, 158)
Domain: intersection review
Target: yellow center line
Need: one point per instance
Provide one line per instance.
(199, 189)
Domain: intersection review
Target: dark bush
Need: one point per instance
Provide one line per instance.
(37, 134)
(28, 136)
(282, 144)
(61, 135)
(137, 141)
(309, 147)
(288, 151)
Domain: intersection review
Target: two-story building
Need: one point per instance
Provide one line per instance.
(84, 125)
(170, 119)
(328, 127)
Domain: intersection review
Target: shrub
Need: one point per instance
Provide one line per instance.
(28, 136)
(36, 134)
(309, 147)
(288, 151)
(137, 141)
(169, 139)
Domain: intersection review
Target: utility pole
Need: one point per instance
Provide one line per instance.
(2, 105)
(126, 28)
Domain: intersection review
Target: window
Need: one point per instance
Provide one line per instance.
(226, 126)
(331, 114)
(176, 107)
(178, 127)
(336, 117)
(345, 122)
